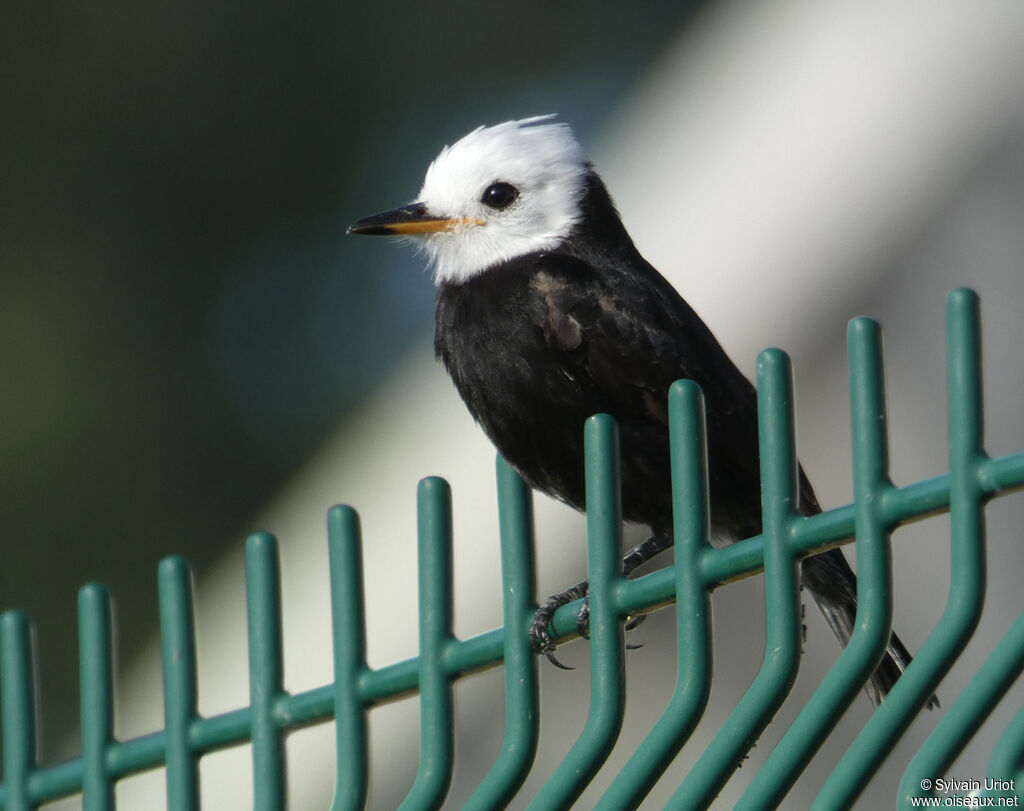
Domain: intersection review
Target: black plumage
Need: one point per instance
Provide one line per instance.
(538, 342)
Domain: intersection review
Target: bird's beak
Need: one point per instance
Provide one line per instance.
(408, 220)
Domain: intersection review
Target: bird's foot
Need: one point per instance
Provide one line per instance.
(583, 623)
(540, 629)
(583, 619)
(634, 559)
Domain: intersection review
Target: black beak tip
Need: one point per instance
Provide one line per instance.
(384, 224)
(358, 227)
(368, 229)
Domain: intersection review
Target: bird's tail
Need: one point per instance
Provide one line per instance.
(834, 585)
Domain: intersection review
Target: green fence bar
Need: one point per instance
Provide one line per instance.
(17, 692)
(607, 668)
(967, 714)
(519, 746)
(779, 496)
(96, 680)
(177, 628)
(435, 599)
(967, 565)
(867, 644)
(1007, 761)
(693, 606)
(266, 670)
(348, 622)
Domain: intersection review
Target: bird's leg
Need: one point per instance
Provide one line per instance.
(634, 559)
(540, 634)
(643, 552)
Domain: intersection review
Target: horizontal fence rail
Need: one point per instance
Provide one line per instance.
(878, 508)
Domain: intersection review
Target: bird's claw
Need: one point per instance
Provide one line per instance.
(583, 619)
(540, 636)
(541, 639)
(543, 642)
(634, 621)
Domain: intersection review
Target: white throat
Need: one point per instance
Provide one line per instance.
(545, 165)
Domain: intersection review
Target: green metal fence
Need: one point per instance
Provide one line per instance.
(877, 509)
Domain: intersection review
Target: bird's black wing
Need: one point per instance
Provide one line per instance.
(625, 338)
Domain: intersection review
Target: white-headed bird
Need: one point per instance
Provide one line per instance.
(547, 314)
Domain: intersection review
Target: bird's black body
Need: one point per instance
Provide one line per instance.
(538, 344)
(548, 314)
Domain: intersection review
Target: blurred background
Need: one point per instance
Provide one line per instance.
(192, 349)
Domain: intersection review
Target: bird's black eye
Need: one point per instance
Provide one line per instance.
(499, 195)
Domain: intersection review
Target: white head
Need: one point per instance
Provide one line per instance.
(498, 193)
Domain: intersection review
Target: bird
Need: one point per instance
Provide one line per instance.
(547, 313)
